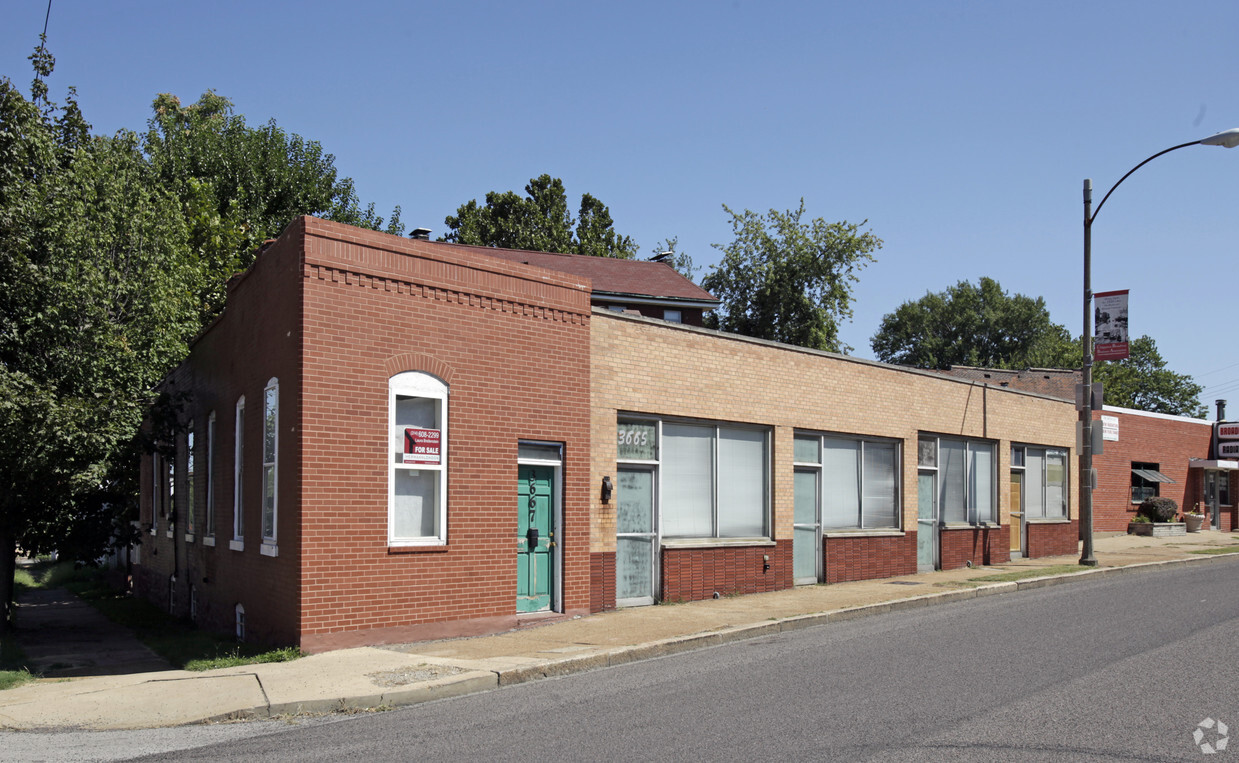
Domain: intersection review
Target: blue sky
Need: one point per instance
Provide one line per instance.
(961, 131)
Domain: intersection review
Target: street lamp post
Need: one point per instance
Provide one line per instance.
(1227, 139)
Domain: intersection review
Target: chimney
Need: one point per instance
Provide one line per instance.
(420, 234)
(1221, 409)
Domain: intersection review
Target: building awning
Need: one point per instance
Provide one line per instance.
(1152, 475)
(1202, 463)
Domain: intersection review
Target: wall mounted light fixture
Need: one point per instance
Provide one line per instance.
(607, 489)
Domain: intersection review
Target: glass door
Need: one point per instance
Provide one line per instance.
(636, 537)
(806, 532)
(927, 521)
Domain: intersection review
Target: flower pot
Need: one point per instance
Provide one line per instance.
(1194, 522)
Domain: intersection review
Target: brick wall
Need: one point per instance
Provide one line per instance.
(648, 367)
(692, 574)
(601, 581)
(1168, 441)
(979, 545)
(258, 338)
(334, 312)
(1052, 539)
(866, 557)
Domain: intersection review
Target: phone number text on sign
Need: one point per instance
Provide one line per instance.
(421, 446)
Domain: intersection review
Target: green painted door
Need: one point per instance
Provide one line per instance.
(535, 540)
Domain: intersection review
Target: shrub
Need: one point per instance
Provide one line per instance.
(1159, 509)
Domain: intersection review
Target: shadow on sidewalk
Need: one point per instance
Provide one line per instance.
(64, 636)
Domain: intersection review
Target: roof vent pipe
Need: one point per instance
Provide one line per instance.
(1221, 409)
(420, 234)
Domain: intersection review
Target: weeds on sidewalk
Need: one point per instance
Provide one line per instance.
(1217, 550)
(175, 640)
(1021, 574)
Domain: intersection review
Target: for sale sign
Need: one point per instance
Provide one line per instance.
(421, 446)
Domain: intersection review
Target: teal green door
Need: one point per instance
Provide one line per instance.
(535, 542)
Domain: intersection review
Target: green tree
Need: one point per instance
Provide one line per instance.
(239, 185)
(786, 280)
(96, 305)
(681, 261)
(1142, 381)
(971, 325)
(540, 222)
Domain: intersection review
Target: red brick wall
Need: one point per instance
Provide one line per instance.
(1166, 441)
(601, 581)
(512, 342)
(691, 574)
(258, 338)
(1052, 539)
(979, 545)
(868, 558)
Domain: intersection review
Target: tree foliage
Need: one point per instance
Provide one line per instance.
(539, 221)
(1142, 381)
(787, 280)
(239, 185)
(972, 325)
(96, 304)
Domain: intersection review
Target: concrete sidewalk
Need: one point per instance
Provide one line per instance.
(410, 673)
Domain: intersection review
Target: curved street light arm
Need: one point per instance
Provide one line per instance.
(1132, 170)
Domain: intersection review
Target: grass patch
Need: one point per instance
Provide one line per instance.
(1218, 550)
(1034, 572)
(13, 672)
(177, 641)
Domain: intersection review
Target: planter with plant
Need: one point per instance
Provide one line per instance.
(1155, 518)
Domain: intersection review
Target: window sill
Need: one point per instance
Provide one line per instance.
(436, 549)
(189, 537)
(674, 543)
(969, 525)
(269, 549)
(1048, 520)
(208, 540)
(236, 545)
(837, 533)
(170, 534)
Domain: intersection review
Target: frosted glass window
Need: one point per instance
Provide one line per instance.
(952, 471)
(840, 483)
(981, 481)
(1056, 484)
(687, 480)
(415, 513)
(879, 504)
(805, 450)
(742, 483)
(1034, 469)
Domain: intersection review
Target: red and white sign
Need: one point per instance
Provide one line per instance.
(1228, 450)
(421, 446)
(1228, 431)
(1110, 318)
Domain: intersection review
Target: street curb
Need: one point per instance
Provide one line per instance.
(477, 681)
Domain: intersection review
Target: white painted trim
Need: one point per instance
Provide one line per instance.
(1151, 415)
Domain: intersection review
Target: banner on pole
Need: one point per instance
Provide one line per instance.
(1110, 318)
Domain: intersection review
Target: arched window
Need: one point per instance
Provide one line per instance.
(417, 460)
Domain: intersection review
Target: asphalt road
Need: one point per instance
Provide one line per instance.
(1123, 668)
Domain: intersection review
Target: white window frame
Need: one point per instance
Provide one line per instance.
(270, 467)
(190, 525)
(659, 477)
(860, 479)
(208, 528)
(423, 385)
(970, 504)
(238, 473)
(1041, 481)
(170, 488)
